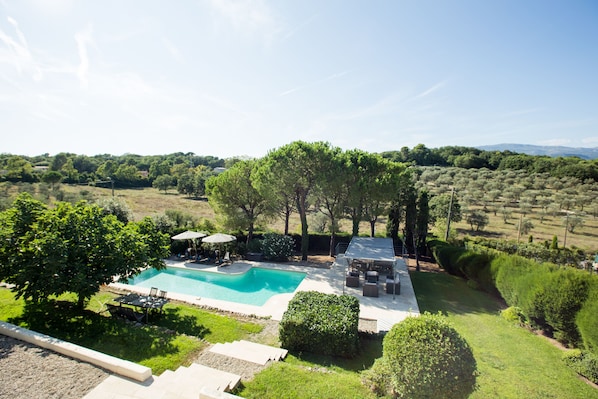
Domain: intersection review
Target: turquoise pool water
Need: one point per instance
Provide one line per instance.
(254, 287)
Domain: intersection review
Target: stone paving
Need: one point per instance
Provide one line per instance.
(386, 309)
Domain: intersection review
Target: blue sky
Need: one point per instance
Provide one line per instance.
(230, 78)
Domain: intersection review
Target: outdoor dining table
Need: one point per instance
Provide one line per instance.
(145, 302)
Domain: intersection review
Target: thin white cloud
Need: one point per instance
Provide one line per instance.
(17, 51)
(83, 39)
(431, 90)
(250, 17)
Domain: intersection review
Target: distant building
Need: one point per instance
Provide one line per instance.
(219, 169)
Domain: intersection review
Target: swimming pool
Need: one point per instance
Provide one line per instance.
(253, 287)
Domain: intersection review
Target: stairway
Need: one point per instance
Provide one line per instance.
(185, 382)
(193, 382)
(250, 351)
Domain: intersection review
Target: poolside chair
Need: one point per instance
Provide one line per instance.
(226, 260)
(153, 291)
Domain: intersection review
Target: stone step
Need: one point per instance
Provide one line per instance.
(276, 354)
(187, 382)
(249, 351)
(216, 379)
(242, 353)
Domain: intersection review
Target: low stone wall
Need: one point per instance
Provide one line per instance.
(118, 366)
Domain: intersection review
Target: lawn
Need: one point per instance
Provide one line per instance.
(167, 343)
(512, 362)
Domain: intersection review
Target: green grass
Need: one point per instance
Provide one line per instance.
(166, 343)
(512, 361)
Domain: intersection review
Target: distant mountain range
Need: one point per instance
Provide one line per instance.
(552, 151)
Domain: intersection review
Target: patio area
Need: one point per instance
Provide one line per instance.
(385, 309)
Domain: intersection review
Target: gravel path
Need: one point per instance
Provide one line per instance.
(28, 371)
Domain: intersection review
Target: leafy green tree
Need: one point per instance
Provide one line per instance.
(477, 219)
(19, 169)
(332, 193)
(116, 207)
(572, 222)
(233, 195)
(396, 212)
(295, 168)
(127, 175)
(163, 183)
(52, 177)
(107, 169)
(379, 185)
(73, 248)
(159, 168)
(422, 222)
(439, 208)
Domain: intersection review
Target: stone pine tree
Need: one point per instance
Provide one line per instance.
(295, 169)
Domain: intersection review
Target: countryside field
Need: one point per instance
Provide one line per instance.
(151, 202)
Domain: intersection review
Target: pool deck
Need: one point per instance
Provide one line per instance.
(385, 309)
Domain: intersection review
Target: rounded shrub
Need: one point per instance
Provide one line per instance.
(514, 314)
(423, 357)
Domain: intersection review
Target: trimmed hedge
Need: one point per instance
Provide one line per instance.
(583, 363)
(587, 317)
(321, 323)
(560, 300)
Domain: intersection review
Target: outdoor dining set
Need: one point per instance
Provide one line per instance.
(139, 306)
(371, 282)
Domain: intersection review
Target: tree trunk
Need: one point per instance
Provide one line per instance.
(332, 238)
(250, 233)
(80, 301)
(304, 233)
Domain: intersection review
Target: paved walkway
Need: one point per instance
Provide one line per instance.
(386, 309)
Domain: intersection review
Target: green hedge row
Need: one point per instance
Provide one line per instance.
(321, 323)
(560, 300)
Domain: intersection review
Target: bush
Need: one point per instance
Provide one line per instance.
(586, 320)
(446, 256)
(277, 247)
(515, 315)
(583, 363)
(321, 323)
(423, 357)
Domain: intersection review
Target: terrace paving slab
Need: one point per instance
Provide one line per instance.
(386, 309)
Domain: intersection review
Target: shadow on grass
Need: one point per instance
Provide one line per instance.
(371, 349)
(113, 336)
(172, 319)
(441, 292)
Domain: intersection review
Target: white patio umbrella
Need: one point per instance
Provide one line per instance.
(188, 235)
(219, 238)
